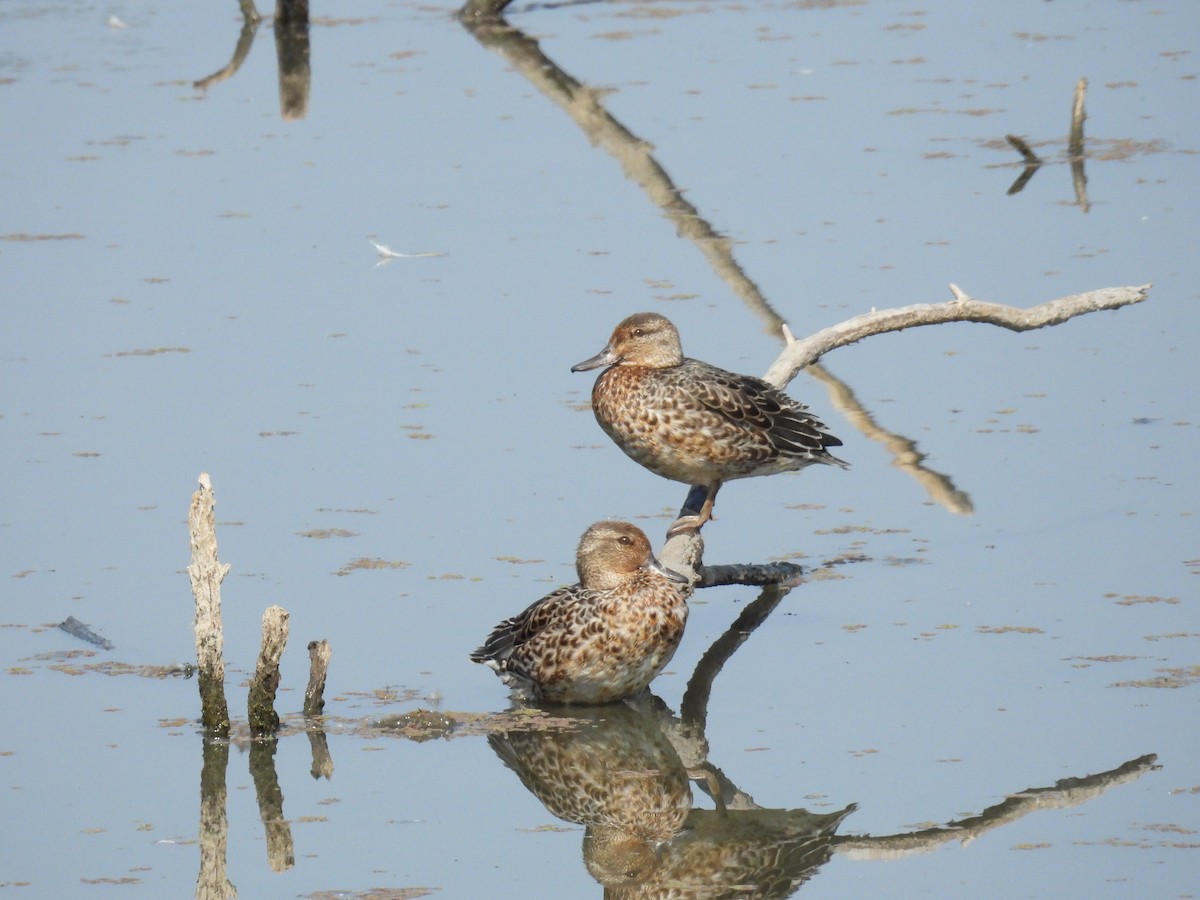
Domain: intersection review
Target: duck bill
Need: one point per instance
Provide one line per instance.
(653, 565)
(605, 357)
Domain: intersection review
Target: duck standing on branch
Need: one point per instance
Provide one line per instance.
(692, 422)
(601, 640)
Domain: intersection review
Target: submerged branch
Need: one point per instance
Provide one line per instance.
(213, 881)
(281, 852)
(1018, 143)
(293, 51)
(482, 10)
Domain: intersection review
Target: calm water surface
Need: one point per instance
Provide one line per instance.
(402, 457)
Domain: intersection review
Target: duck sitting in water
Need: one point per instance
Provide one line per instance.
(601, 640)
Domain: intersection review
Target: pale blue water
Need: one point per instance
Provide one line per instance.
(855, 155)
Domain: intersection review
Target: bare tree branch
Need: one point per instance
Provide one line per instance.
(801, 353)
(784, 574)
(687, 549)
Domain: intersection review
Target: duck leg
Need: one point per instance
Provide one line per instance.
(694, 521)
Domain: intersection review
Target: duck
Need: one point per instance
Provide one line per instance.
(601, 640)
(693, 422)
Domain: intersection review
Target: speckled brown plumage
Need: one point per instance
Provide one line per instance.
(600, 640)
(692, 422)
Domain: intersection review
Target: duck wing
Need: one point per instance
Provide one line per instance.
(527, 625)
(752, 403)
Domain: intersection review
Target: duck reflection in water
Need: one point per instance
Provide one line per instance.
(619, 776)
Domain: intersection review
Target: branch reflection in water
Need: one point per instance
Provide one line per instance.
(292, 50)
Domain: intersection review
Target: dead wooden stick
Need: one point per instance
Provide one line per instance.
(206, 575)
(261, 705)
(1075, 146)
(760, 574)
(318, 668)
(1078, 116)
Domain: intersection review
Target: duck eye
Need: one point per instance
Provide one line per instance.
(624, 539)
(637, 332)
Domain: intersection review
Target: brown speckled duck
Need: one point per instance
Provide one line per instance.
(692, 422)
(601, 640)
